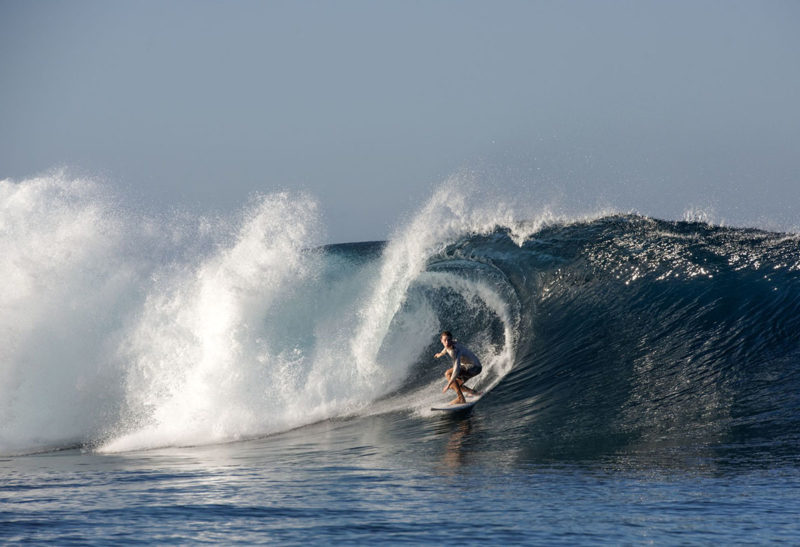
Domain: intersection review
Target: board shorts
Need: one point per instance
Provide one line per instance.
(469, 371)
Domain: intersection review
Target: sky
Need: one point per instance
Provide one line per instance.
(652, 107)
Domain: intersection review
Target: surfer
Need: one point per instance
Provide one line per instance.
(466, 365)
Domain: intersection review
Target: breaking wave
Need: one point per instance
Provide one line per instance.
(126, 331)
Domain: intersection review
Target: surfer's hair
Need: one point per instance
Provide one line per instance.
(448, 334)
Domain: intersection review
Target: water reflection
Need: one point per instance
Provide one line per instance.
(453, 455)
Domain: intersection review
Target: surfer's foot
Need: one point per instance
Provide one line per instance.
(469, 391)
(458, 401)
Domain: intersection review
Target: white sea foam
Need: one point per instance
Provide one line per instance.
(125, 331)
(67, 286)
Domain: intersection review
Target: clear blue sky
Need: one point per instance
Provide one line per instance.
(652, 106)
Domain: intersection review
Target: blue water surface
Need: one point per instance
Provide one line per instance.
(394, 479)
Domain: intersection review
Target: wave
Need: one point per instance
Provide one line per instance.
(130, 332)
(644, 332)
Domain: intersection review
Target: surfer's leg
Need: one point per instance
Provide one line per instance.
(462, 381)
(457, 388)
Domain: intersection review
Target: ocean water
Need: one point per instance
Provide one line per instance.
(189, 379)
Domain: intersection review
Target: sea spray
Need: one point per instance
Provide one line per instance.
(68, 283)
(202, 365)
(136, 331)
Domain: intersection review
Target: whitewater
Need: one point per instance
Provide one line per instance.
(235, 378)
(126, 331)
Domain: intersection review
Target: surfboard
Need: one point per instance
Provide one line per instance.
(471, 400)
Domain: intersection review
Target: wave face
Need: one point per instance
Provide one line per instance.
(646, 332)
(130, 332)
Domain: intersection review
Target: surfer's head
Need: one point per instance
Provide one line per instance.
(447, 338)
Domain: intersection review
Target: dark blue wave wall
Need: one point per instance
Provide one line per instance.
(635, 330)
